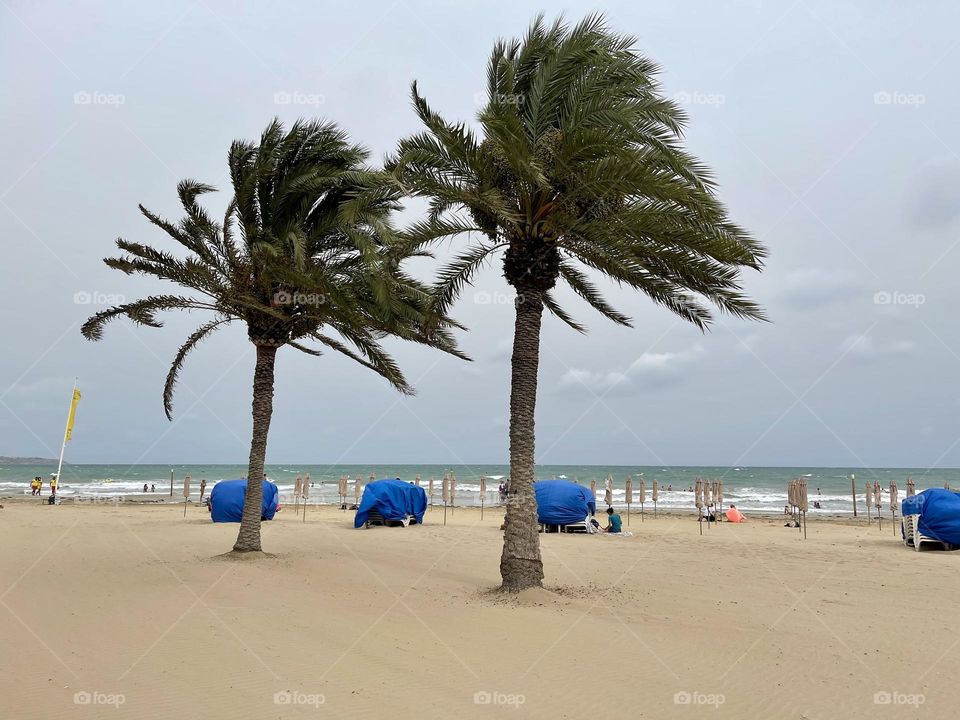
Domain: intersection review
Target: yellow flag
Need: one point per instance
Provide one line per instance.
(73, 412)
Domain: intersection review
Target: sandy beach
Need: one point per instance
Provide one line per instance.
(127, 611)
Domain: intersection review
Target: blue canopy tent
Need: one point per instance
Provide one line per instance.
(939, 512)
(561, 502)
(393, 500)
(226, 500)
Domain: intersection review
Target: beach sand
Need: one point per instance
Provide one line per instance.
(130, 605)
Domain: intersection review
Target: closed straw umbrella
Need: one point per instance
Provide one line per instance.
(430, 489)
(893, 504)
(654, 495)
(911, 487)
(628, 489)
(642, 495)
(297, 489)
(305, 493)
(608, 492)
(416, 481)
(445, 493)
(802, 502)
(868, 490)
(186, 492)
(707, 499)
(357, 490)
(342, 491)
(483, 493)
(698, 500)
(878, 500)
(719, 495)
(453, 490)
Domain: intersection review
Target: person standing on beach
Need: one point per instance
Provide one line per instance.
(53, 483)
(203, 487)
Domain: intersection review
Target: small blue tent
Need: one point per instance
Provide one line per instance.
(939, 512)
(561, 502)
(227, 496)
(393, 499)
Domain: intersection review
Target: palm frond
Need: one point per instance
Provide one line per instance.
(199, 334)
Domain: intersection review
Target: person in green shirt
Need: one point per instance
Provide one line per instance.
(614, 523)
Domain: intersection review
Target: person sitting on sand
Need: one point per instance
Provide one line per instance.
(614, 523)
(734, 515)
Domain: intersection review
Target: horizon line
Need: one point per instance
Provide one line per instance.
(504, 464)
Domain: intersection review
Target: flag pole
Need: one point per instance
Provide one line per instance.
(66, 431)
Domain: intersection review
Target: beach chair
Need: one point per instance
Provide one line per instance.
(577, 527)
(908, 523)
(375, 518)
(913, 537)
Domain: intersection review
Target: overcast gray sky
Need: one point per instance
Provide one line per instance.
(831, 127)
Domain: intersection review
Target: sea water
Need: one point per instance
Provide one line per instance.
(753, 489)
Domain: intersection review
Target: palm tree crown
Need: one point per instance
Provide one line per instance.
(578, 167)
(306, 247)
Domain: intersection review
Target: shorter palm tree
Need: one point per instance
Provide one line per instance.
(306, 256)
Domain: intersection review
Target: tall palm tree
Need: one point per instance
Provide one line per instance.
(577, 170)
(306, 248)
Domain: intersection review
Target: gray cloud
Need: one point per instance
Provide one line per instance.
(842, 190)
(650, 370)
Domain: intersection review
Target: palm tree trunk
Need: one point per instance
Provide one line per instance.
(248, 539)
(520, 563)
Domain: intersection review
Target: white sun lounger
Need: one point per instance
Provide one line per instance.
(913, 537)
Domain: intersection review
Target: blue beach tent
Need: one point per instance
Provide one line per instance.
(939, 512)
(395, 500)
(227, 496)
(562, 502)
